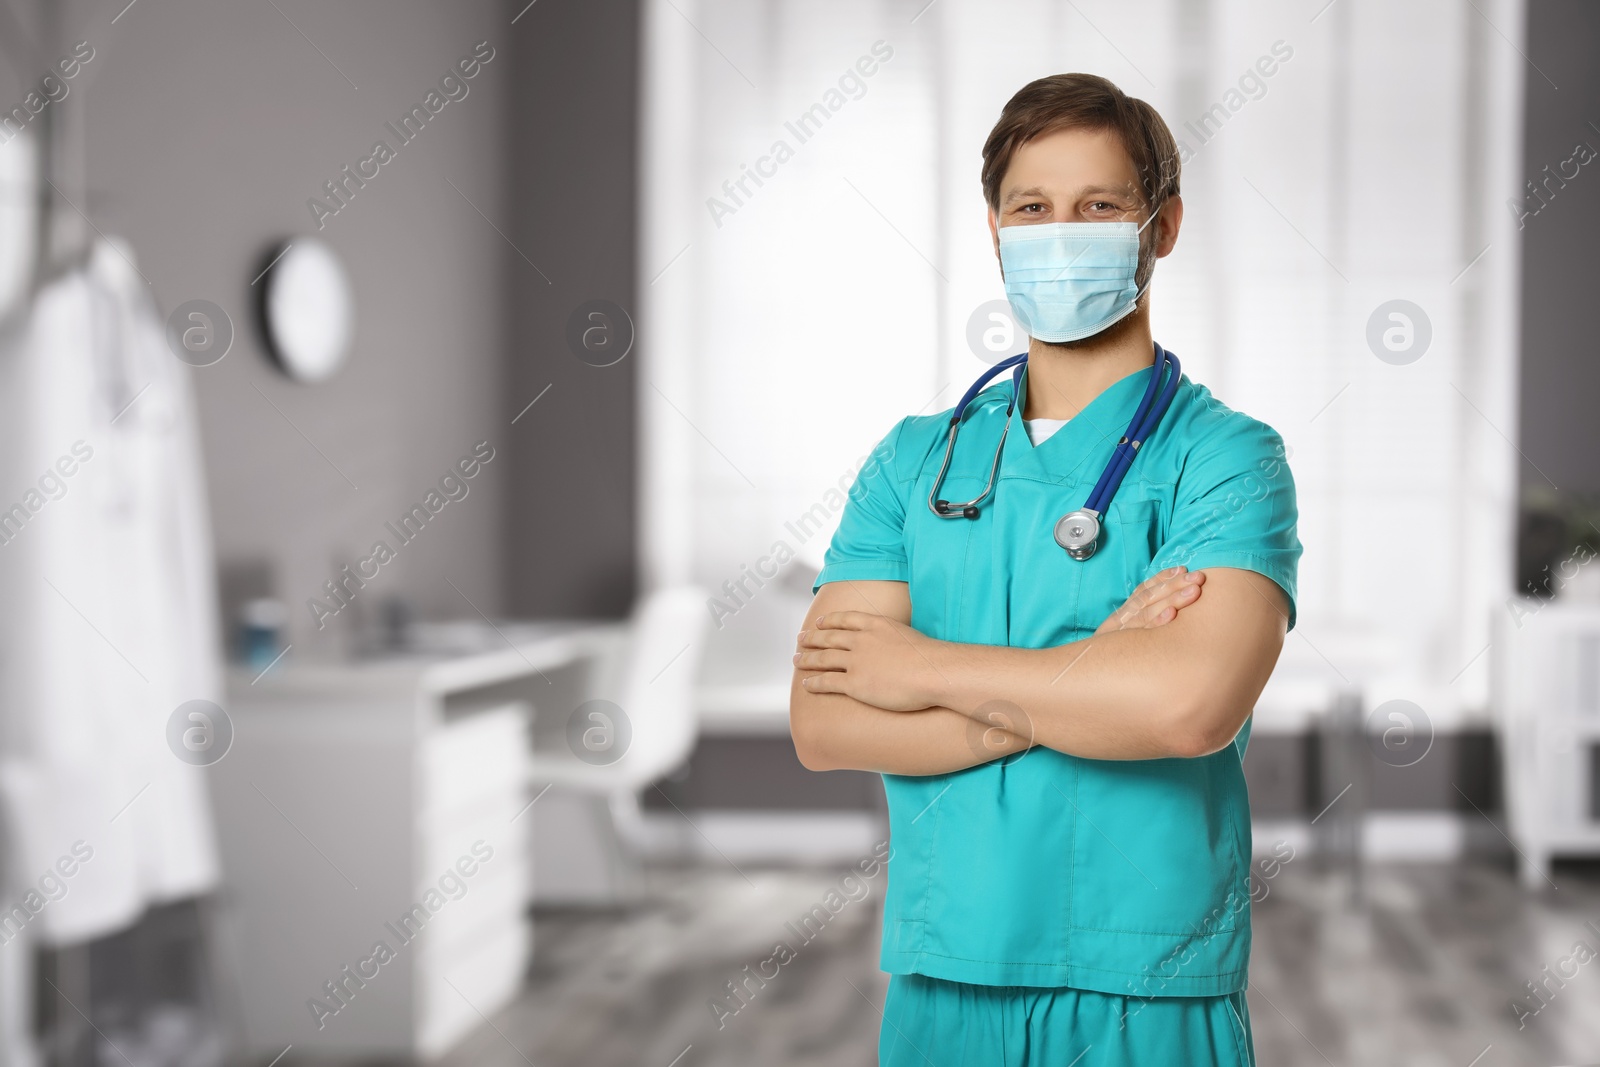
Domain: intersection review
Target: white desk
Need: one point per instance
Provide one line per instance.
(355, 795)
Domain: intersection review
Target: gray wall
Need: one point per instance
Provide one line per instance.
(573, 165)
(209, 126)
(1560, 373)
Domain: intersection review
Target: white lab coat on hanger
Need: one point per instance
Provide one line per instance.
(110, 620)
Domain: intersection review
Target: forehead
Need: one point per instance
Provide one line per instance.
(1070, 163)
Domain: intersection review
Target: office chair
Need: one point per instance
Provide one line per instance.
(616, 749)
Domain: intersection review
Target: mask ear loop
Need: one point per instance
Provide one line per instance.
(1146, 286)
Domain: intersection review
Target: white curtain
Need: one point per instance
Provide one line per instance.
(781, 339)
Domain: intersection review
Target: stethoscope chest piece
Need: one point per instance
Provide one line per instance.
(1079, 533)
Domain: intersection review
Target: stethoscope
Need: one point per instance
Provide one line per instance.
(1077, 531)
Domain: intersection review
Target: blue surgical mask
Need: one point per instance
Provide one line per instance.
(1070, 280)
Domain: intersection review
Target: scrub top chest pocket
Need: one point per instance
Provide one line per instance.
(1002, 579)
(1140, 528)
(1053, 599)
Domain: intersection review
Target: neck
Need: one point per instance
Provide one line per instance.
(1063, 379)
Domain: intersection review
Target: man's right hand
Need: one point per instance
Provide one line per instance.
(1157, 601)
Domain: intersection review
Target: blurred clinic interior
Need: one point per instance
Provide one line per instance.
(423, 424)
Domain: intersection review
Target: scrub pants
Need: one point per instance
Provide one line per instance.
(929, 1022)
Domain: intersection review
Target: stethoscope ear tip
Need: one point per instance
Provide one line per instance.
(942, 508)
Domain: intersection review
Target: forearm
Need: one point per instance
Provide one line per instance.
(1113, 696)
(836, 732)
(1179, 690)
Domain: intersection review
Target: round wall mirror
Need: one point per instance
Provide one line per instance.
(306, 310)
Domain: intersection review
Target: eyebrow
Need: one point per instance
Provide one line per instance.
(1093, 190)
(1018, 194)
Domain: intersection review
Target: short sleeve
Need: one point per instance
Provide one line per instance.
(1235, 507)
(869, 544)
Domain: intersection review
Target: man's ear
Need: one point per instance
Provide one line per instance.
(994, 235)
(1168, 225)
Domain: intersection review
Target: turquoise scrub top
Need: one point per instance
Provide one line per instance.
(1044, 869)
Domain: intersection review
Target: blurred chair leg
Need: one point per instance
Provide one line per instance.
(629, 844)
(1534, 868)
(579, 858)
(1342, 772)
(17, 963)
(64, 993)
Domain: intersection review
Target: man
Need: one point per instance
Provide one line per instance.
(1060, 735)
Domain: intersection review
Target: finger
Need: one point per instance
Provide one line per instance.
(845, 620)
(1127, 615)
(1173, 578)
(1149, 598)
(830, 682)
(1149, 618)
(1154, 611)
(1180, 592)
(1172, 584)
(822, 659)
(1161, 578)
(1146, 589)
(825, 639)
(1154, 586)
(1173, 601)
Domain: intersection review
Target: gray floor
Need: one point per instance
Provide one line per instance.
(1424, 974)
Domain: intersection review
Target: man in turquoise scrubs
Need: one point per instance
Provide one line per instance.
(1061, 739)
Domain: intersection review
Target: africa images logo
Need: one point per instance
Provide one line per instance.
(452, 87)
(343, 587)
(802, 128)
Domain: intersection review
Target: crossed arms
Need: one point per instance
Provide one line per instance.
(1171, 673)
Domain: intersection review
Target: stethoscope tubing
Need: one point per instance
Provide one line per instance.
(1146, 417)
(944, 508)
(1019, 361)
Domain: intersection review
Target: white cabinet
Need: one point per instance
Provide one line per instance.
(1547, 699)
(376, 851)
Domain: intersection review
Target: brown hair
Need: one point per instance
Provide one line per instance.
(1083, 101)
